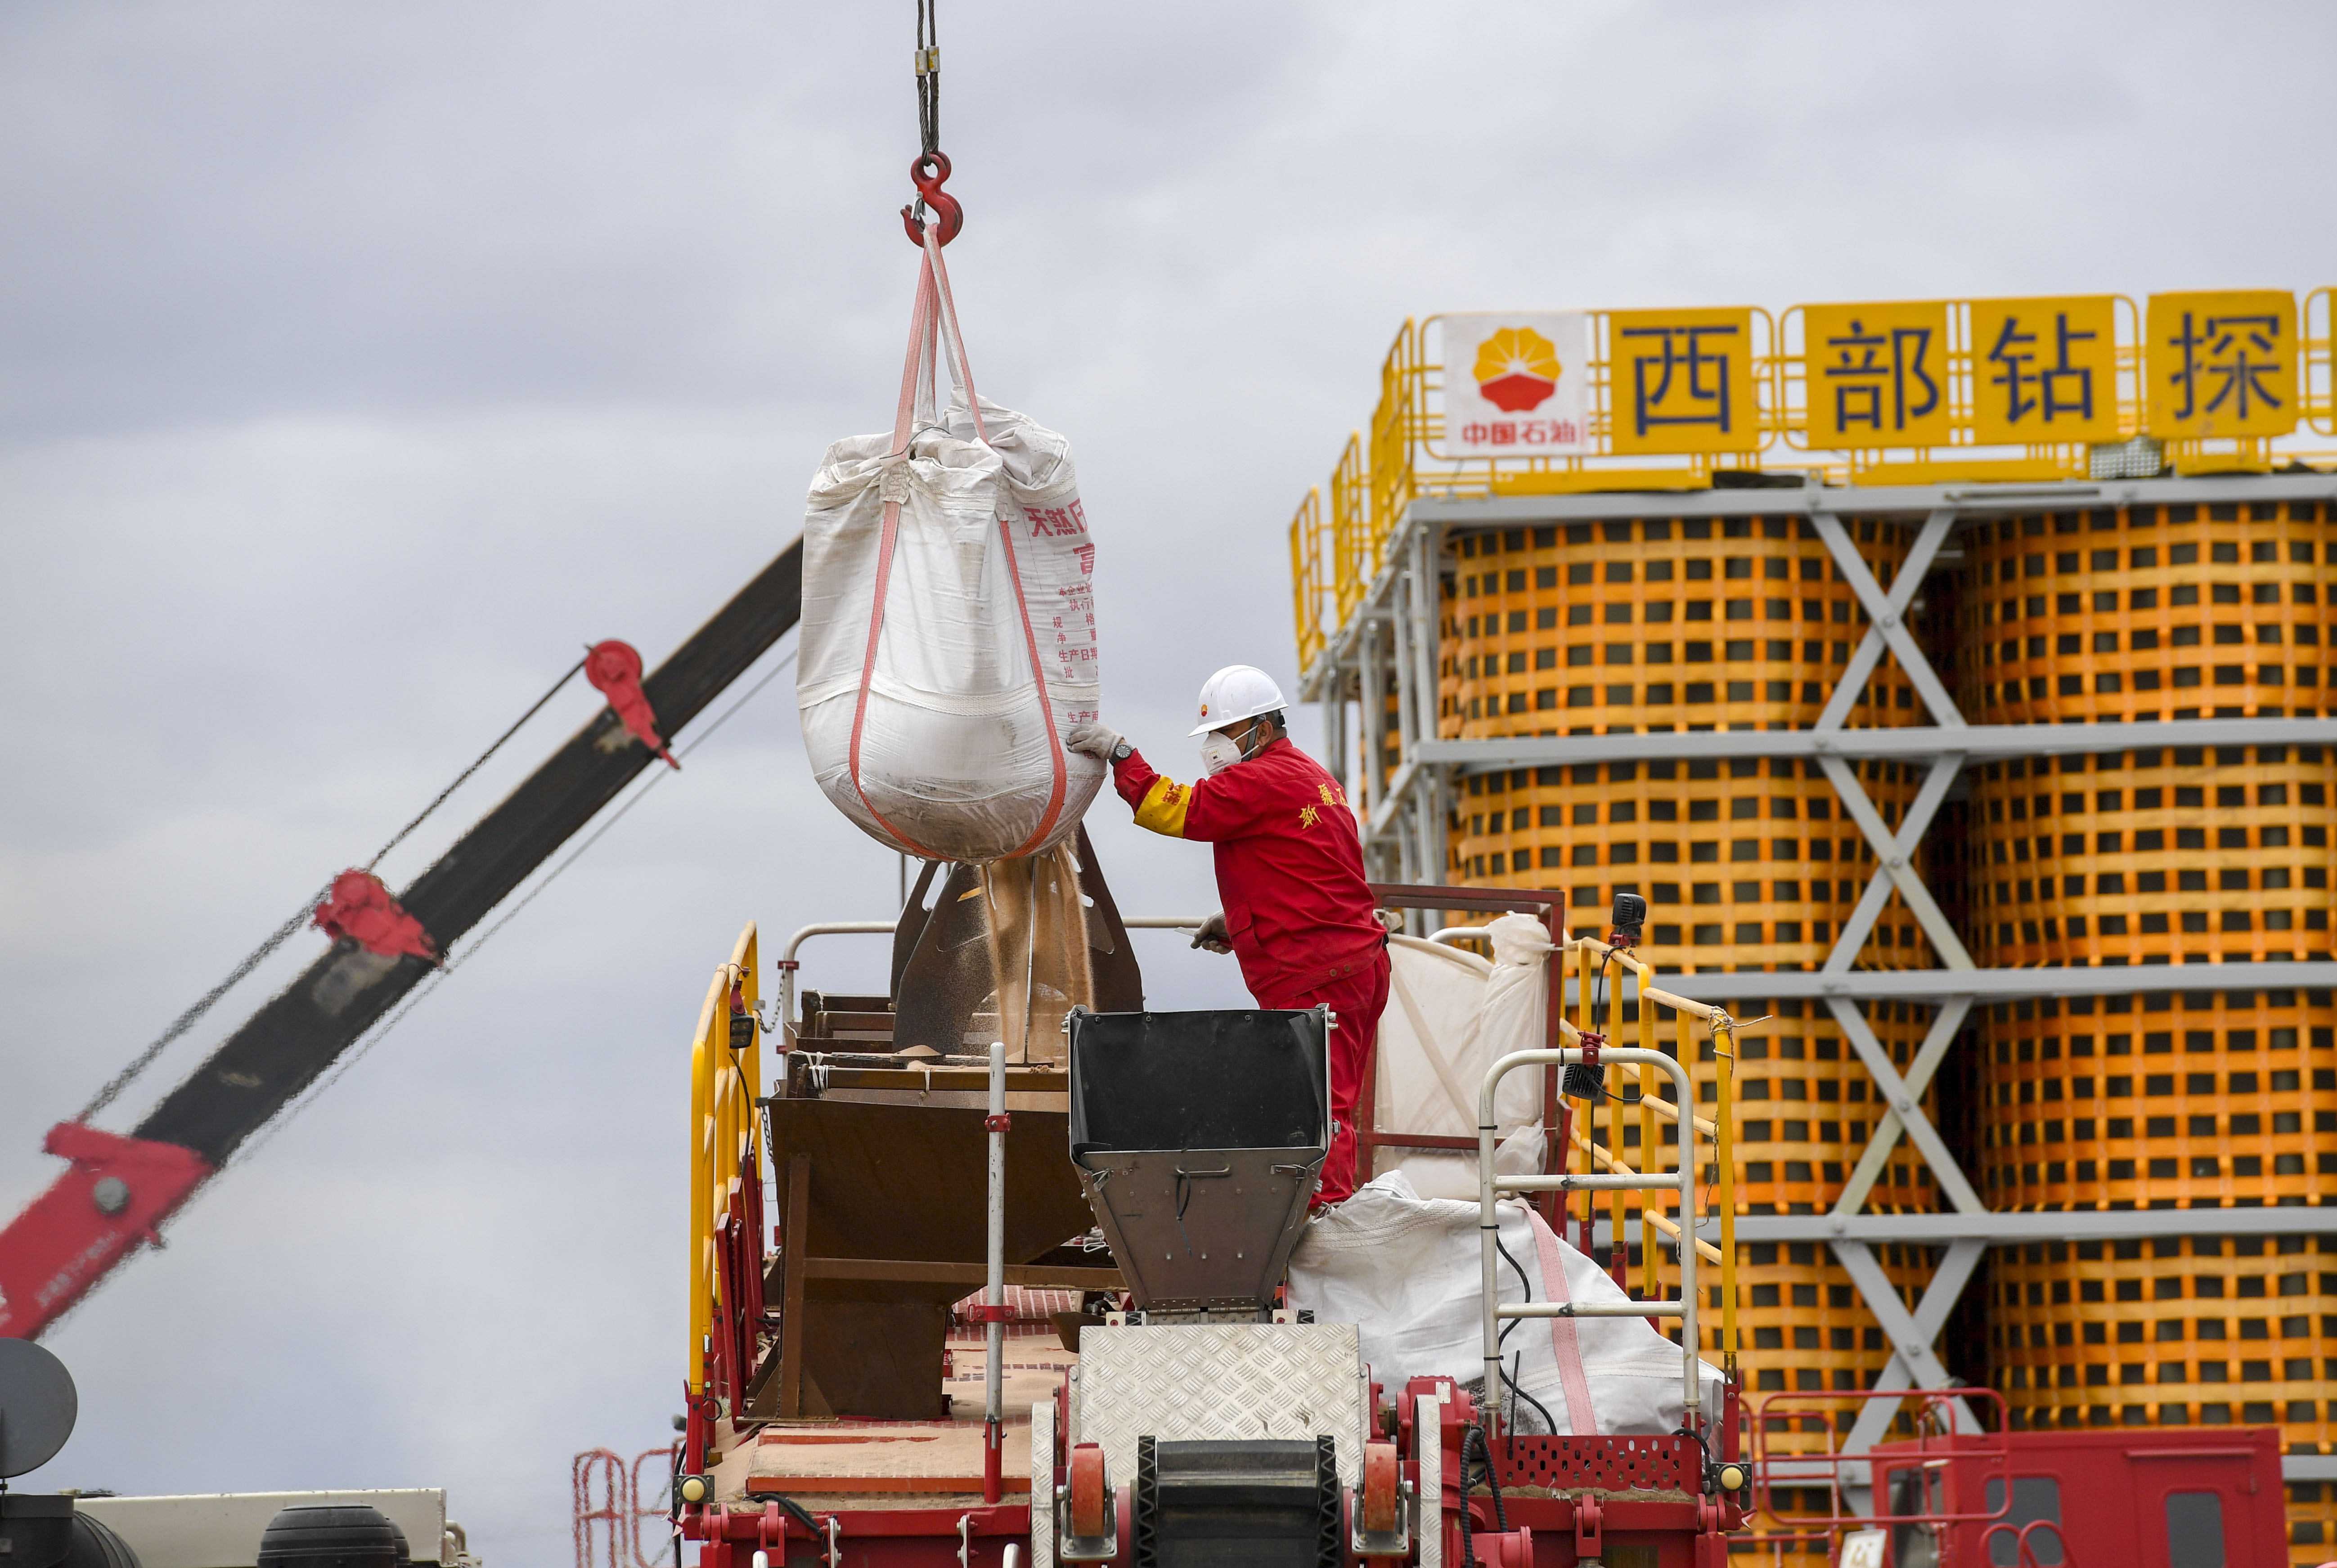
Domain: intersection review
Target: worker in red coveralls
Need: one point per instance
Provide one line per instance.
(1290, 872)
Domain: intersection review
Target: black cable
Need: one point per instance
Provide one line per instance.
(1519, 1389)
(193, 1015)
(795, 1511)
(1476, 1435)
(1524, 1283)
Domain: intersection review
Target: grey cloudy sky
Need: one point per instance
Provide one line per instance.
(358, 363)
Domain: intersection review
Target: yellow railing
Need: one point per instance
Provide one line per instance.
(2318, 394)
(726, 1159)
(1959, 409)
(1589, 955)
(1307, 585)
(1354, 545)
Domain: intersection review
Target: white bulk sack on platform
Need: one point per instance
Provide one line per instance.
(1450, 1016)
(949, 637)
(1406, 1271)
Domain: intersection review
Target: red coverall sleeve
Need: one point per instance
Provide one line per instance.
(1234, 804)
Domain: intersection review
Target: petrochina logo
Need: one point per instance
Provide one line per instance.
(1517, 369)
(1205, 709)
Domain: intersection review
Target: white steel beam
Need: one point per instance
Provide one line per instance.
(1466, 512)
(1405, 823)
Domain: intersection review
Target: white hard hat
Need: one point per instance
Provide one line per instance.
(1236, 692)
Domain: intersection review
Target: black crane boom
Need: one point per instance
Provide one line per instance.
(261, 1067)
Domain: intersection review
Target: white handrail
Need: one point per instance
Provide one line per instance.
(1491, 1186)
(827, 928)
(887, 927)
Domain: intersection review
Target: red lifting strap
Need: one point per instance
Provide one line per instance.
(615, 671)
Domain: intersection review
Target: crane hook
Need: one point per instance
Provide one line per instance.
(928, 170)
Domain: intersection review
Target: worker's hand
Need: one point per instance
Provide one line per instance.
(1094, 740)
(1213, 934)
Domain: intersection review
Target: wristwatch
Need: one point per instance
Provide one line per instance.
(1120, 753)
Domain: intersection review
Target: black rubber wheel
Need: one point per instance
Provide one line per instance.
(330, 1537)
(96, 1545)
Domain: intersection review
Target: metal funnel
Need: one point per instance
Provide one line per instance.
(1199, 1137)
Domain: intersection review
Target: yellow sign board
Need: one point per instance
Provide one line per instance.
(1681, 381)
(2222, 364)
(1876, 375)
(2045, 370)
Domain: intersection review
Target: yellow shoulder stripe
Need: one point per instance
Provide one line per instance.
(1163, 808)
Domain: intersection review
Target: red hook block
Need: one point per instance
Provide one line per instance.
(927, 172)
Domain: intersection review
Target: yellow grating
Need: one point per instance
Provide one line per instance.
(1663, 624)
(1659, 624)
(2158, 854)
(1803, 1119)
(2156, 613)
(2311, 1523)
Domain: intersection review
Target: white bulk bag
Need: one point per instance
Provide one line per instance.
(1407, 1272)
(1450, 1016)
(948, 638)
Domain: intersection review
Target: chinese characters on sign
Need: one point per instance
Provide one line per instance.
(2044, 371)
(2222, 364)
(1681, 381)
(1877, 375)
(2038, 372)
(1517, 385)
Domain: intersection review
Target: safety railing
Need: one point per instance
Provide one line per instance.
(1592, 958)
(2318, 394)
(1910, 1490)
(1309, 573)
(1491, 1185)
(726, 1192)
(2082, 388)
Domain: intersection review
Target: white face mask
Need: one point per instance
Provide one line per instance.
(1218, 752)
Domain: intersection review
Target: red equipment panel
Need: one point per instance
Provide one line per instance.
(2148, 1497)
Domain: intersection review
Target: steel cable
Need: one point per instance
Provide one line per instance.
(471, 949)
(929, 81)
(187, 1020)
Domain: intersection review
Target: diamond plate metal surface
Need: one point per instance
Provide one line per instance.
(1043, 1484)
(1228, 1380)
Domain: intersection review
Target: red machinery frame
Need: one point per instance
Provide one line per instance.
(2109, 1487)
